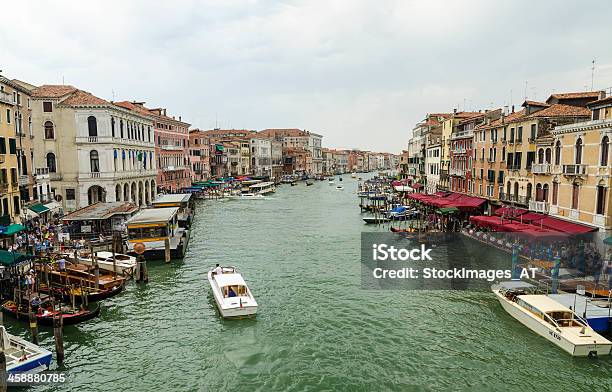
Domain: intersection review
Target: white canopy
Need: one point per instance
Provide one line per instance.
(224, 280)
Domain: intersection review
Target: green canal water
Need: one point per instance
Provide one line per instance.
(317, 329)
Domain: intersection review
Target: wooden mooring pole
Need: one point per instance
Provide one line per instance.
(3, 373)
(59, 339)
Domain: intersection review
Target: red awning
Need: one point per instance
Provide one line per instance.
(493, 222)
(530, 217)
(565, 226)
(514, 227)
(536, 232)
(510, 211)
(417, 186)
(467, 202)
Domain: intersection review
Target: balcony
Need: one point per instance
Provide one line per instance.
(115, 141)
(42, 173)
(523, 200)
(170, 147)
(538, 206)
(23, 180)
(173, 168)
(513, 167)
(575, 170)
(457, 172)
(6, 98)
(541, 168)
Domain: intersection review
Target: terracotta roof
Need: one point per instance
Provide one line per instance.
(584, 94)
(535, 103)
(560, 110)
(134, 107)
(602, 101)
(512, 117)
(282, 132)
(52, 91)
(223, 132)
(465, 114)
(80, 97)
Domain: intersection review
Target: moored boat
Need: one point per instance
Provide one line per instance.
(232, 295)
(551, 320)
(121, 264)
(45, 312)
(375, 219)
(339, 188)
(23, 356)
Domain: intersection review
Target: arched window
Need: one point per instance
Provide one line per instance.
(49, 130)
(121, 128)
(555, 193)
(51, 162)
(548, 155)
(113, 126)
(92, 126)
(558, 153)
(605, 148)
(539, 195)
(94, 161)
(541, 155)
(601, 199)
(575, 195)
(578, 151)
(545, 189)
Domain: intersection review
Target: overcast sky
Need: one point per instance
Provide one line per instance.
(361, 73)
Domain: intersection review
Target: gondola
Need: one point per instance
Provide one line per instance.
(45, 317)
(92, 296)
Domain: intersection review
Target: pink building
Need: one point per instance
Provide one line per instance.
(171, 147)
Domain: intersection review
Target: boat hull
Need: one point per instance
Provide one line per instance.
(237, 311)
(531, 322)
(67, 319)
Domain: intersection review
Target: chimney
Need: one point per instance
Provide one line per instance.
(505, 112)
(512, 108)
(164, 111)
(455, 111)
(180, 119)
(602, 94)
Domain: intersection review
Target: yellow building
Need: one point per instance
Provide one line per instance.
(15, 150)
(581, 169)
(448, 124)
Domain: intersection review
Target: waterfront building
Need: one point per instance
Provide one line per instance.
(277, 159)
(199, 155)
(16, 157)
(94, 150)
(295, 160)
(340, 158)
(461, 153)
(261, 155)
(234, 158)
(432, 163)
(218, 159)
(580, 171)
(297, 138)
(448, 123)
(328, 161)
(245, 156)
(171, 137)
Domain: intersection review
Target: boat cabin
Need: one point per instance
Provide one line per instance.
(548, 310)
(183, 201)
(262, 188)
(153, 224)
(231, 285)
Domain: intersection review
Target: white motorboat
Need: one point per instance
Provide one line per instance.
(23, 356)
(353, 175)
(123, 265)
(330, 181)
(551, 320)
(249, 196)
(232, 295)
